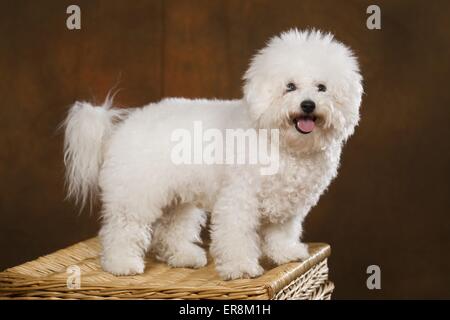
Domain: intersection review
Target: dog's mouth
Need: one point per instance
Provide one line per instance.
(305, 123)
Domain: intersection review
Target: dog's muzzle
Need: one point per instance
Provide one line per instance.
(306, 122)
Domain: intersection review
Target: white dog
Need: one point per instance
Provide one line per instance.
(305, 84)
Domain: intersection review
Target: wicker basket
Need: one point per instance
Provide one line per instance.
(47, 278)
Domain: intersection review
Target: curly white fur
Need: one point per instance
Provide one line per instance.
(86, 128)
(145, 194)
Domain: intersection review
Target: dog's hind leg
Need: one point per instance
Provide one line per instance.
(125, 238)
(176, 234)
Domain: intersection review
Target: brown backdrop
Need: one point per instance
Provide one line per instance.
(389, 206)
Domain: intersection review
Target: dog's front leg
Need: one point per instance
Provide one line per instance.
(235, 243)
(281, 241)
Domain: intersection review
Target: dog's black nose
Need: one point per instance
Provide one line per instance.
(308, 106)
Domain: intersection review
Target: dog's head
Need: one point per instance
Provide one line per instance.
(307, 85)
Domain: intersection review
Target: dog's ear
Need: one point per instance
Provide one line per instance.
(259, 92)
(351, 98)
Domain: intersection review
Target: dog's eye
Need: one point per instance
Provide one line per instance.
(321, 88)
(291, 87)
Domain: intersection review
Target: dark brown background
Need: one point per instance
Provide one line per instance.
(389, 205)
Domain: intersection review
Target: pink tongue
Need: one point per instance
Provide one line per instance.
(305, 125)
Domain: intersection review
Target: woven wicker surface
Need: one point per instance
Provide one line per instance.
(46, 278)
(312, 285)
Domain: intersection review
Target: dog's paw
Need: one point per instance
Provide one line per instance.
(239, 270)
(293, 252)
(191, 257)
(123, 266)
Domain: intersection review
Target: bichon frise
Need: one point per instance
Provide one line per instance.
(306, 86)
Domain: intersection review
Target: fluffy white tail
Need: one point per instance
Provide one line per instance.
(86, 129)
